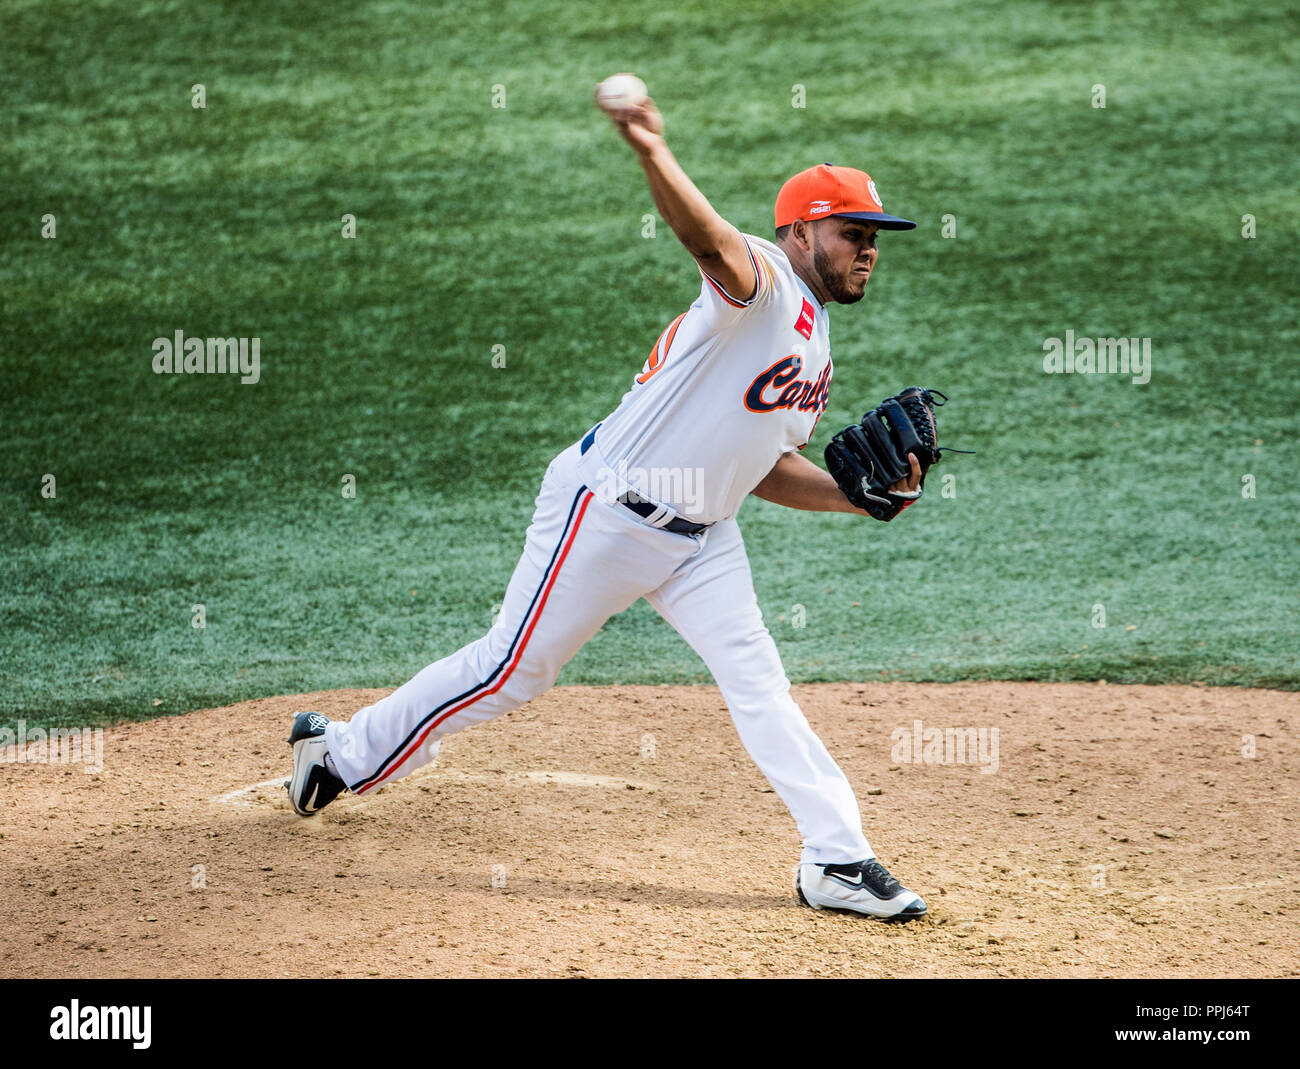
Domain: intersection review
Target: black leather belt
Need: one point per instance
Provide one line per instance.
(646, 509)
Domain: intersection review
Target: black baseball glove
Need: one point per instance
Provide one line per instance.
(868, 458)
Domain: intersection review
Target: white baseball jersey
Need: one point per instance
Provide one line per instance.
(729, 387)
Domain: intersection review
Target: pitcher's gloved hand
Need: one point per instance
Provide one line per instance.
(870, 460)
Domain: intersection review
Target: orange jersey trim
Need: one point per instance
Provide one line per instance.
(758, 282)
(660, 351)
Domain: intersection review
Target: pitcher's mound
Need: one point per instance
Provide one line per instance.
(1054, 830)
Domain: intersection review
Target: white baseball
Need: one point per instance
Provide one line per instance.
(620, 91)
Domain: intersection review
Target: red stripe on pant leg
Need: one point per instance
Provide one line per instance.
(519, 652)
(379, 769)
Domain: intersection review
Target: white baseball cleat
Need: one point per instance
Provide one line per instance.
(313, 786)
(861, 887)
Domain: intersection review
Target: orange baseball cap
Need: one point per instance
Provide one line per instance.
(827, 190)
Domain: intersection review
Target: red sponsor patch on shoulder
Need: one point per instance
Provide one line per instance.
(804, 324)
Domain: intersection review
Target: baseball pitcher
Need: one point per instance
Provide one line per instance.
(729, 395)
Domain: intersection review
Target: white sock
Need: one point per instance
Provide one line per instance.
(329, 765)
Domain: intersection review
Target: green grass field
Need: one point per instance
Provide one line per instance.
(479, 226)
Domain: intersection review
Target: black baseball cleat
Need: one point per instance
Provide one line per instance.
(862, 887)
(313, 786)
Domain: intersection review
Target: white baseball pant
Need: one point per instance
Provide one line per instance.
(585, 560)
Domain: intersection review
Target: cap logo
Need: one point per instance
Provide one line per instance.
(819, 206)
(871, 185)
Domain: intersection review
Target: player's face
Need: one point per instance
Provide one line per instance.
(844, 252)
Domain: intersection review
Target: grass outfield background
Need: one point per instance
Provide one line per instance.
(522, 227)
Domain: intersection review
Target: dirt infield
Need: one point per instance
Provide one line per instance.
(624, 832)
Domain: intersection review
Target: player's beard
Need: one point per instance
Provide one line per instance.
(841, 292)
